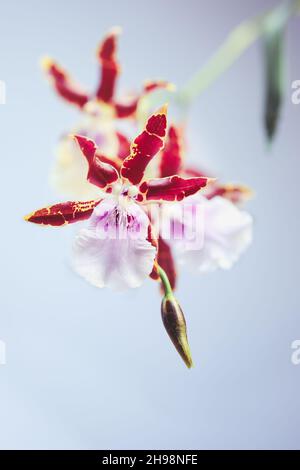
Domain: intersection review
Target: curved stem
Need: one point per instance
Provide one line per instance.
(165, 281)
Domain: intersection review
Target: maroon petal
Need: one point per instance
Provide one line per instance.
(124, 145)
(128, 110)
(100, 173)
(64, 85)
(109, 66)
(171, 155)
(145, 147)
(62, 214)
(171, 188)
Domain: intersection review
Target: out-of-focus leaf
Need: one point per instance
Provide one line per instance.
(233, 47)
(274, 65)
(238, 41)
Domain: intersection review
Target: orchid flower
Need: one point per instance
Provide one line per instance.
(224, 229)
(100, 110)
(117, 248)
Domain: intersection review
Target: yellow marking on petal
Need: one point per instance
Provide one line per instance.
(46, 63)
(162, 110)
(116, 30)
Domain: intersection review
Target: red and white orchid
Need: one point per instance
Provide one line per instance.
(117, 248)
(100, 109)
(224, 229)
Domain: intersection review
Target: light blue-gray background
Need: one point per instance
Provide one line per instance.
(95, 370)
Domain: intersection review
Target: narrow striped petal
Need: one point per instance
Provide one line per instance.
(171, 155)
(109, 66)
(171, 188)
(128, 110)
(63, 84)
(63, 213)
(145, 147)
(100, 173)
(152, 85)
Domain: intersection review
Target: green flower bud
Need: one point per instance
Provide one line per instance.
(174, 323)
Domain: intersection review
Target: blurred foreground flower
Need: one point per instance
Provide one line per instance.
(100, 110)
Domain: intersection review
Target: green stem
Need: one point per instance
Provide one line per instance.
(165, 281)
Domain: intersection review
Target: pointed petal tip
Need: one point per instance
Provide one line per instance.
(155, 85)
(211, 180)
(163, 109)
(46, 63)
(80, 139)
(76, 138)
(115, 31)
(171, 86)
(248, 193)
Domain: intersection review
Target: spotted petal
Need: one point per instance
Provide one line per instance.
(172, 188)
(145, 147)
(100, 173)
(63, 213)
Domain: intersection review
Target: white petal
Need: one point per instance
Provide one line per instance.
(226, 232)
(107, 258)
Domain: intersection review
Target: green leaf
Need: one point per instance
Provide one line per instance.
(238, 41)
(274, 66)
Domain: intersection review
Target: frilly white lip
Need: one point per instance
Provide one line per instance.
(226, 233)
(113, 251)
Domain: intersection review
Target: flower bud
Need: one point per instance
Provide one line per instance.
(174, 322)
